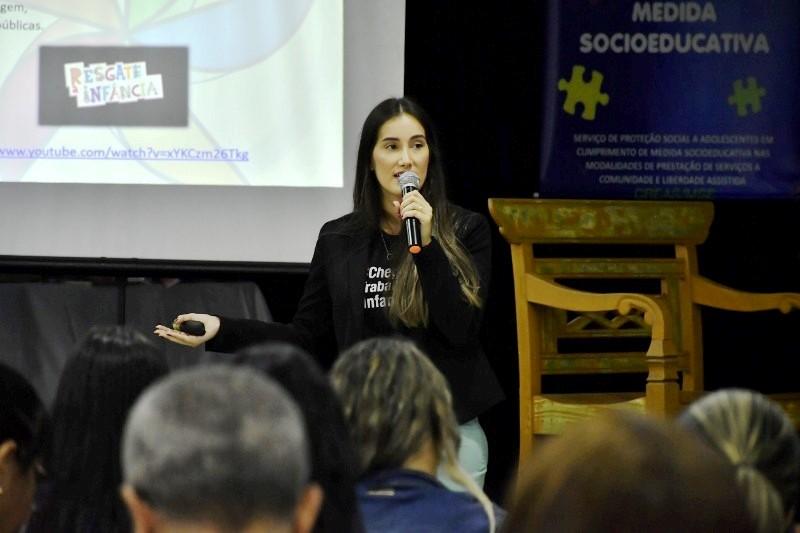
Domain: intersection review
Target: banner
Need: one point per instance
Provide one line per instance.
(663, 100)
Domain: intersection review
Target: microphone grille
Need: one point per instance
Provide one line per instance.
(409, 178)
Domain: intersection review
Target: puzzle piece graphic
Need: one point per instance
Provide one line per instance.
(578, 91)
(743, 96)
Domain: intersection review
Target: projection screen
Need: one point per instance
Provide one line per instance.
(186, 130)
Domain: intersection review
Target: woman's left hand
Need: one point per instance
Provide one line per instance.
(415, 205)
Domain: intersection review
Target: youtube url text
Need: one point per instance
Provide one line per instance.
(147, 153)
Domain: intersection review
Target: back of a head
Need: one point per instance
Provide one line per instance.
(394, 399)
(99, 384)
(332, 452)
(108, 370)
(759, 439)
(622, 473)
(24, 441)
(218, 444)
(23, 417)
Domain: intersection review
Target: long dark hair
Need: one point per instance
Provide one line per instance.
(98, 386)
(367, 191)
(23, 417)
(408, 304)
(333, 458)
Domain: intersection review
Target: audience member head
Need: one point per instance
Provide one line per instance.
(759, 439)
(24, 440)
(218, 448)
(399, 410)
(99, 384)
(332, 453)
(624, 472)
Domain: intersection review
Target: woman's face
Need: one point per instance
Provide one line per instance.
(401, 146)
(18, 486)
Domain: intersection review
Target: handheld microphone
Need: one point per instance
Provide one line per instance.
(409, 181)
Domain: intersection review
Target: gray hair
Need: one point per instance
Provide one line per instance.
(217, 443)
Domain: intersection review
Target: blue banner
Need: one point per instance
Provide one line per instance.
(661, 100)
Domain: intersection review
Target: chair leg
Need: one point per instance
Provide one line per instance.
(662, 397)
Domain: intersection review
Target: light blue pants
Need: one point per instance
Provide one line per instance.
(473, 455)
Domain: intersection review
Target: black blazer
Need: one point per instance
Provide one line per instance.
(330, 315)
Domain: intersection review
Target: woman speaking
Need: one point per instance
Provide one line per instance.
(365, 280)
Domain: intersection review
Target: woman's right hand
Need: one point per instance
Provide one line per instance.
(210, 322)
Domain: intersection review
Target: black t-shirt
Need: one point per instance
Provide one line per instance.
(378, 281)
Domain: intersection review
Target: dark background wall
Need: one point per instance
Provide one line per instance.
(476, 68)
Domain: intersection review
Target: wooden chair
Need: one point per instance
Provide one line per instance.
(569, 323)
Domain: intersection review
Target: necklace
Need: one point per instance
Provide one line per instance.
(386, 247)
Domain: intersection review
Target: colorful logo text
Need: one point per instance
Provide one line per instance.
(99, 84)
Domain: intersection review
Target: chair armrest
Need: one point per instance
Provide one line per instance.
(545, 292)
(712, 294)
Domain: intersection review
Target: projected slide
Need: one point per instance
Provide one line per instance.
(182, 92)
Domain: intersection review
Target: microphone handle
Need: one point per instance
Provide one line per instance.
(413, 235)
(413, 232)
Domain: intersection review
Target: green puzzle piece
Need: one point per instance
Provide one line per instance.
(580, 92)
(743, 96)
